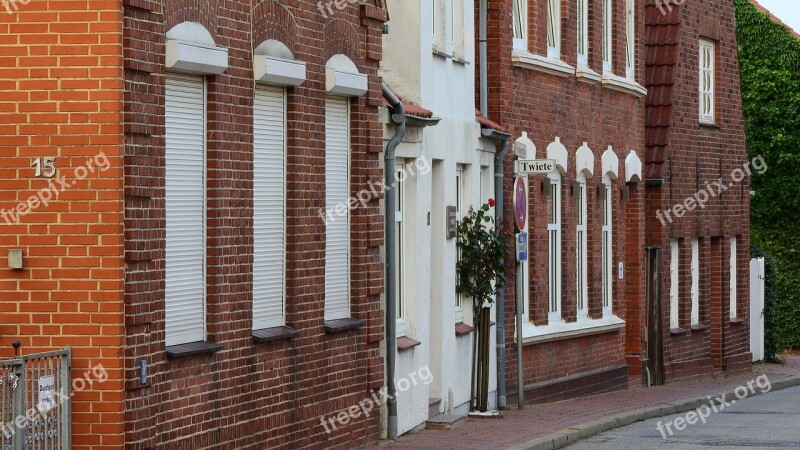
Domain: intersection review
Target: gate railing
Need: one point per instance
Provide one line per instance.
(35, 402)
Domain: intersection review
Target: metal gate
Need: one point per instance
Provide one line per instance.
(757, 286)
(35, 402)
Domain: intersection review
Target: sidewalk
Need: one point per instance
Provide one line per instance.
(554, 425)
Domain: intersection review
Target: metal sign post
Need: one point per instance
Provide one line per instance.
(523, 167)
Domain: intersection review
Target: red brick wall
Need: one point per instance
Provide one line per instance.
(251, 395)
(687, 155)
(547, 106)
(60, 97)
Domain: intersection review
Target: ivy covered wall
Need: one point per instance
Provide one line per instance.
(769, 55)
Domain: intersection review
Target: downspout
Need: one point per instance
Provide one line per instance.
(501, 295)
(483, 64)
(483, 67)
(500, 307)
(399, 119)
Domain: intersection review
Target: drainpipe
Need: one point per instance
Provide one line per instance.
(483, 64)
(399, 119)
(500, 307)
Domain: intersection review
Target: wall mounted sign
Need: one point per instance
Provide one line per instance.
(534, 166)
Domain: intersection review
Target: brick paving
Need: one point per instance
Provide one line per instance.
(519, 426)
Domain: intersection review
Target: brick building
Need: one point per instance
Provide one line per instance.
(208, 243)
(566, 79)
(696, 153)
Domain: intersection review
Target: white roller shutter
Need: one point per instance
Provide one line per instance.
(337, 191)
(185, 210)
(269, 206)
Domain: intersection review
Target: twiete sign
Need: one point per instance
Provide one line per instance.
(534, 166)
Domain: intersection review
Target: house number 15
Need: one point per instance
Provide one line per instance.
(45, 167)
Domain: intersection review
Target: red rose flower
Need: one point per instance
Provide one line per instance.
(491, 203)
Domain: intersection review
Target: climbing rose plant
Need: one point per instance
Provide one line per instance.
(481, 267)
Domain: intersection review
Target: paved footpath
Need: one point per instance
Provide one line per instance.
(556, 425)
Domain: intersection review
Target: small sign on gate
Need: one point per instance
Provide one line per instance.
(47, 390)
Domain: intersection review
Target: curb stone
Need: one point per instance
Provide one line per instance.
(569, 436)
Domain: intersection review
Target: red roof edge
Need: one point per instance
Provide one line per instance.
(488, 123)
(413, 110)
(775, 18)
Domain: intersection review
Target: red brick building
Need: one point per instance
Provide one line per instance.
(697, 195)
(212, 267)
(613, 287)
(566, 79)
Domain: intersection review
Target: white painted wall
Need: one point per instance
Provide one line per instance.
(445, 87)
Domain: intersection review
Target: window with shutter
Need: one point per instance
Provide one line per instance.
(269, 207)
(337, 191)
(185, 288)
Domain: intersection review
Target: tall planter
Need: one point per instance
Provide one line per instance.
(481, 273)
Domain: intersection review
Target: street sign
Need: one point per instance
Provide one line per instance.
(534, 166)
(520, 203)
(522, 247)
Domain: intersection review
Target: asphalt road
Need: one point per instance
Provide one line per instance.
(766, 421)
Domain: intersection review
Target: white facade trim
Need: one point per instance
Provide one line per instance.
(610, 163)
(342, 77)
(633, 168)
(191, 49)
(556, 151)
(584, 161)
(553, 66)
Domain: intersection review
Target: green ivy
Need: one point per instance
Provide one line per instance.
(769, 58)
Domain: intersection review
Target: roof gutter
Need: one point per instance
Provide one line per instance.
(421, 122)
(398, 117)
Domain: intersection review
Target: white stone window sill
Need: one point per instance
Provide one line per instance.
(617, 83)
(555, 331)
(527, 60)
(584, 73)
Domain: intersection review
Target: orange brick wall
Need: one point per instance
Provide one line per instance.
(60, 96)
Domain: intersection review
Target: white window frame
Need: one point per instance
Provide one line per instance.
(581, 246)
(554, 251)
(608, 37)
(733, 278)
(519, 24)
(399, 239)
(185, 338)
(261, 177)
(583, 32)
(674, 283)
(707, 80)
(607, 237)
(554, 29)
(335, 314)
(695, 281)
(630, 39)
(460, 185)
